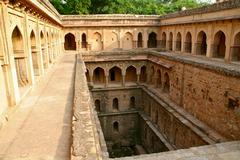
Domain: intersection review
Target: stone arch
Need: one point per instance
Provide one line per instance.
(17, 40)
(143, 74)
(132, 102)
(70, 42)
(34, 53)
(201, 46)
(140, 40)
(164, 40)
(219, 45)
(170, 41)
(128, 41)
(115, 126)
(18, 26)
(166, 87)
(152, 40)
(159, 79)
(115, 74)
(97, 105)
(131, 74)
(19, 57)
(84, 40)
(179, 42)
(188, 43)
(235, 49)
(97, 42)
(98, 75)
(115, 104)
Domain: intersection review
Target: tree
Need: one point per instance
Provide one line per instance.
(148, 7)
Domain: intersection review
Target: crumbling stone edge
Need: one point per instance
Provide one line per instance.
(87, 139)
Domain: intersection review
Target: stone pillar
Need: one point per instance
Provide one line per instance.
(145, 40)
(28, 51)
(123, 80)
(228, 42)
(194, 47)
(138, 79)
(4, 88)
(183, 43)
(106, 81)
(174, 40)
(209, 47)
(209, 40)
(148, 81)
(11, 69)
(39, 49)
(167, 41)
(91, 77)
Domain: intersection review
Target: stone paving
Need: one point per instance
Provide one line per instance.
(40, 128)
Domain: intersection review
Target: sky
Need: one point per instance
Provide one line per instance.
(212, 1)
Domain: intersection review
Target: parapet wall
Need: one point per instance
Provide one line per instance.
(88, 142)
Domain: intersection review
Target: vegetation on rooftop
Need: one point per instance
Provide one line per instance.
(144, 7)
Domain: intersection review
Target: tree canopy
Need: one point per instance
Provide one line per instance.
(147, 7)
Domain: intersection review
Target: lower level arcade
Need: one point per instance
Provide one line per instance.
(134, 122)
(153, 101)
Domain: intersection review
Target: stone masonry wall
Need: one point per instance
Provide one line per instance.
(211, 95)
(171, 125)
(123, 95)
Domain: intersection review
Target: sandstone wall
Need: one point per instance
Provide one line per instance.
(106, 98)
(208, 92)
(127, 132)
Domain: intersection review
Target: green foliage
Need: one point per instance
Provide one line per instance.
(147, 7)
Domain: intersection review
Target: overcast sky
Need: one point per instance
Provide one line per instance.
(212, 1)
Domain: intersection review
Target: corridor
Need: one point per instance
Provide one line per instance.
(40, 128)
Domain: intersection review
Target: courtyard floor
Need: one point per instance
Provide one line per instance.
(40, 128)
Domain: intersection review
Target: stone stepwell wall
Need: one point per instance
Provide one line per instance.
(87, 143)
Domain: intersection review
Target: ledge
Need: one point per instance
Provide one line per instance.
(86, 144)
(217, 65)
(213, 64)
(222, 151)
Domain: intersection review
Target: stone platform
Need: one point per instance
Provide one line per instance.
(41, 126)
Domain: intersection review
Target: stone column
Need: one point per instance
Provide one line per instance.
(28, 51)
(138, 75)
(183, 43)
(11, 69)
(39, 48)
(209, 40)
(91, 77)
(145, 39)
(123, 80)
(209, 47)
(174, 39)
(167, 41)
(106, 80)
(194, 47)
(228, 42)
(138, 79)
